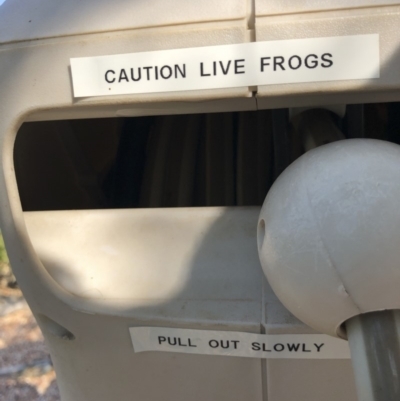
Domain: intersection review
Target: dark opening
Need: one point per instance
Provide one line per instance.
(221, 159)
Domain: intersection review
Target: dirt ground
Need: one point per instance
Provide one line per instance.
(26, 371)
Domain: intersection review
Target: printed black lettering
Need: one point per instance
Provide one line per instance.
(292, 63)
(181, 71)
(327, 58)
(213, 343)
(180, 344)
(235, 343)
(133, 74)
(279, 347)
(264, 62)
(279, 60)
(190, 343)
(238, 66)
(148, 72)
(170, 341)
(156, 72)
(168, 74)
(319, 346)
(161, 339)
(202, 74)
(265, 349)
(293, 347)
(304, 348)
(313, 63)
(110, 81)
(255, 346)
(122, 75)
(215, 67)
(225, 346)
(225, 71)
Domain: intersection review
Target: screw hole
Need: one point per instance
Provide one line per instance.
(55, 328)
(260, 233)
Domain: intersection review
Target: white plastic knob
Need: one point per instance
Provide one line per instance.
(329, 233)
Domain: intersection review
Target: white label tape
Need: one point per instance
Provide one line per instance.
(228, 66)
(230, 343)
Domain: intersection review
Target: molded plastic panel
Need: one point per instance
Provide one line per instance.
(383, 21)
(193, 268)
(311, 380)
(179, 264)
(30, 20)
(328, 380)
(41, 71)
(273, 7)
(100, 365)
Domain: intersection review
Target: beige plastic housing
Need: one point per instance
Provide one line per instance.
(90, 275)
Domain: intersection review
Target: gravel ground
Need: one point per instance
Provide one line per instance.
(26, 371)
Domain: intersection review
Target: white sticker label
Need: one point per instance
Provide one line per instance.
(228, 66)
(230, 343)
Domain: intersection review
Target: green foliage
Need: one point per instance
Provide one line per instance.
(3, 253)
